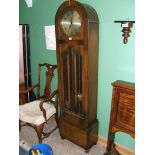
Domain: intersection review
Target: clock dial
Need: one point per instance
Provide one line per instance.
(71, 22)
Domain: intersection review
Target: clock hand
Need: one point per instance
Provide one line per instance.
(71, 20)
(70, 26)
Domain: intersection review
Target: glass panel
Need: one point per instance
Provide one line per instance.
(65, 78)
(79, 82)
(72, 80)
(71, 76)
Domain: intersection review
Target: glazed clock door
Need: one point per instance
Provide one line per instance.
(72, 64)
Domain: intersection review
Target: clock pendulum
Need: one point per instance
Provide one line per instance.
(77, 29)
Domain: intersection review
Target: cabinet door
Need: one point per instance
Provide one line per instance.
(24, 61)
(72, 62)
(125, 109)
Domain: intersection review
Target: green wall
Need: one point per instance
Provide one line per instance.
(116, 60)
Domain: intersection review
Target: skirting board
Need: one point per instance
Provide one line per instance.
(122, 149)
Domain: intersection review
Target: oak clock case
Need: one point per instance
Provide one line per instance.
(77, 58)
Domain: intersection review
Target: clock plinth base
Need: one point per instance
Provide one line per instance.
(85, 138)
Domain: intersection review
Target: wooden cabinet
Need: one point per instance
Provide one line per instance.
(77, 58)
(24, 64)
(122, 116)
(22, 97)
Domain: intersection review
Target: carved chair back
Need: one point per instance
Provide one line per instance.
(49, 76)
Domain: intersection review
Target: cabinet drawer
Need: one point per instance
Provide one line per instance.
(127, 97)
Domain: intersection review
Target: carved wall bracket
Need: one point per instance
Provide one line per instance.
(126, 25)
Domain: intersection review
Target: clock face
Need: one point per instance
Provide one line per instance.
(71, 22)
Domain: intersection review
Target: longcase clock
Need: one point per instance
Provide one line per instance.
(77, 58)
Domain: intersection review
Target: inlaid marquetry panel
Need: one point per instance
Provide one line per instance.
(126, 110)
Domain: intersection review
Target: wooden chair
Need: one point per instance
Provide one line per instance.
(36, 113)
